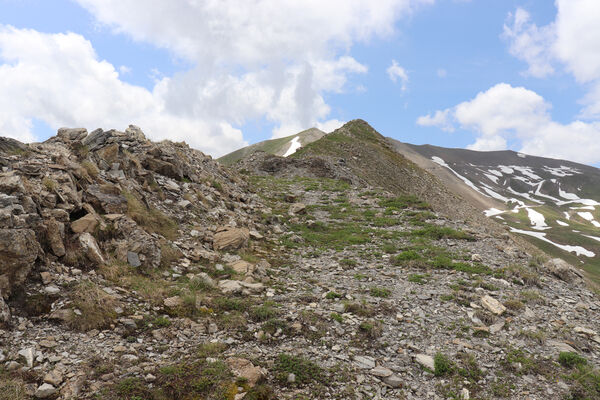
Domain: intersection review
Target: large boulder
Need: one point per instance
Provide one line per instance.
(228, 238)
(91, 249)
(563, 270)
(18, 251)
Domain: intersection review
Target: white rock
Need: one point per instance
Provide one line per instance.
(364, 362)
(425, 360)
(585, 331)
(29, 355)
(381, 372)
(44, 391)
(492, 305)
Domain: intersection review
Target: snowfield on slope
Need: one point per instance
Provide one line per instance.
(578, 250)
(294, 145)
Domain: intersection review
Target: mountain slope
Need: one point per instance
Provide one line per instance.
(553, 203)
(139, 270)
(280, 147)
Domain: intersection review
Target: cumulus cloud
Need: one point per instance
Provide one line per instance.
(530, 43)
(571, 41)
(505, 112)
(396, 72)
(57, 78)
(256, 59)
(440, 119)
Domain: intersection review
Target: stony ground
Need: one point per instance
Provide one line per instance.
(333, 291)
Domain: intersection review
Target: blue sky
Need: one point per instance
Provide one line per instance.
(206, 75)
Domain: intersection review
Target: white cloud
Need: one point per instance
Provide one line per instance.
(255, 59)
(504, 112)
(396, 72)
(440, 119)
(530, 43)
(57, 78)
(572, 41)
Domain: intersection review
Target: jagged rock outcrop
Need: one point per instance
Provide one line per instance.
(87, 200)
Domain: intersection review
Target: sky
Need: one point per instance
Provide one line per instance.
(486, 75)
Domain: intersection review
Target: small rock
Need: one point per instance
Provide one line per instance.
(381, 372)
(133, 259)
(585, 331)
(497, 327)
(230, 287)
(28, 355)
(173, 302)
(476, 258)
(54, 377)
(245, 369)
(297, 209)
(393, 381)
(464, 394)
(129, 358)
(364, 362)
(52, 289)
(425, 360)
(291, 377)
(492, 305)
(45, 390)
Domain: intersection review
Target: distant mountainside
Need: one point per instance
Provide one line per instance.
(279, 147)
(551, 202)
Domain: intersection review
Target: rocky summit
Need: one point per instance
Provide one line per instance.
(139, 270)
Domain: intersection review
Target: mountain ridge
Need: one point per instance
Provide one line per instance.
(138, 270)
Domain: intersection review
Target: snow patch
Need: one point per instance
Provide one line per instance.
(578, 250)
(566, 195)
(294, 145)
(505, 169)
(592, 237)
(588, 216)
(492, 212)
(494, 172)
(441, 162)
(561, 223)
(525, 195)
(492, 178)
(537, 219)
(528, 172)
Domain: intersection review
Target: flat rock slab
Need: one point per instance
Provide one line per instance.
(425, 360)
(492, 305)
